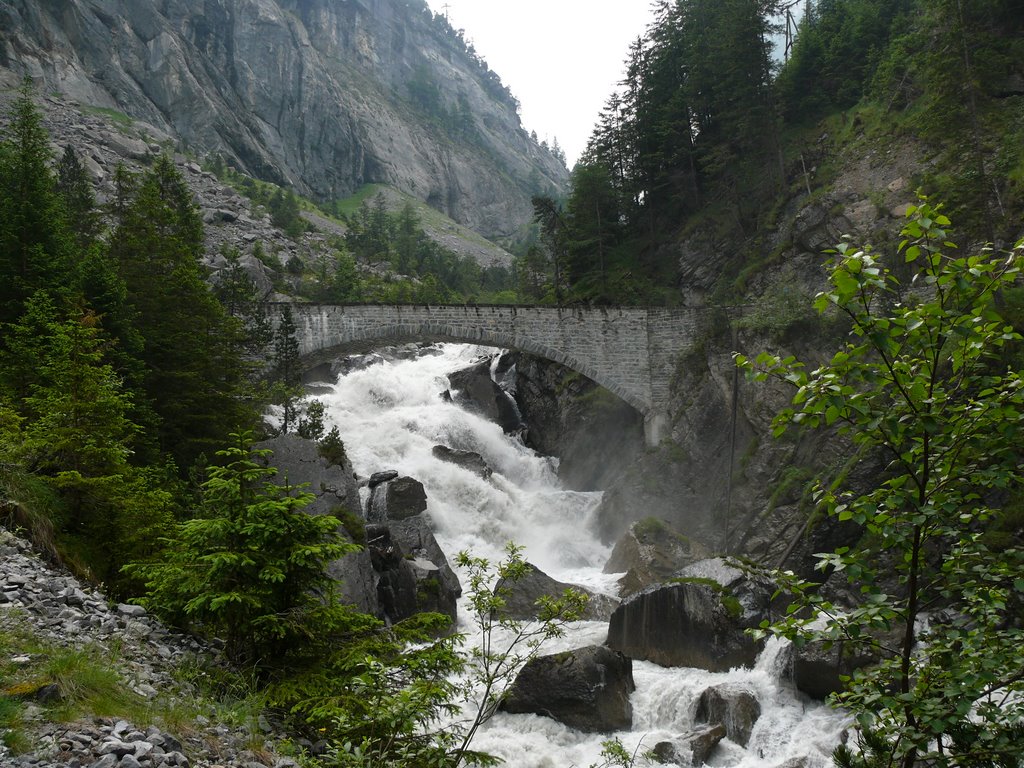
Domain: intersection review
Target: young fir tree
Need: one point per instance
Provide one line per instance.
(78, 436)
(287, 388)
(251, 566)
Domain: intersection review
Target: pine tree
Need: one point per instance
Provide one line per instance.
(79, 437)
(79, 200)
(287, 388)
(194, 374)
(33, 243)
(252, 564)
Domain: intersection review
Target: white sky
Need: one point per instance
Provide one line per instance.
(561, 58)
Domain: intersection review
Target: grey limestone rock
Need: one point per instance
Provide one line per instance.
(733, 706)
(522, 596)
(693, 748)
(697, 620)
(587, 689)
(311, 95)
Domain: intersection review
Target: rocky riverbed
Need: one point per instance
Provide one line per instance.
(46, 613)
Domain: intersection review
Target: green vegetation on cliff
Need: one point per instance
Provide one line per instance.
(709, 134)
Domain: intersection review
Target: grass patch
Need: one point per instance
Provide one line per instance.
(69, 684)
(78, 682)
(118, 118)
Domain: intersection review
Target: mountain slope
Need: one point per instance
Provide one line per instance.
(323, 95)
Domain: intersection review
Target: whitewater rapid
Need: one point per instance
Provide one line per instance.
(391, 415)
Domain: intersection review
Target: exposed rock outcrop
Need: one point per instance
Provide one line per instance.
(476, 391)
(396, 498)
(587, 689)
(336, 490)
(469, 460)
(649, 553)
(693, 748)
(697, 620)
(818, 671)
(733, 706)
(594, 434)
(414, 572)
(322, 95)
(523, 594)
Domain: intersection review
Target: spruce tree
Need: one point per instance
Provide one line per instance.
(251, 565)
(78, 199)
(33, 243)
(287, 388)
(194, 374)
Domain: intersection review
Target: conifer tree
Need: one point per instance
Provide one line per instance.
(251, 566)
(33, 247)
(287, 389)
(78, 199)
(191, 348)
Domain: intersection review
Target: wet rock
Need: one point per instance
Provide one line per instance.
(650, 552)
(437, 587)
(692, 748)
(382, 477)
(396, 581)
(733, 706)
(594, 434)
(698, 620)
(587, 689)
(396, 499)
(521, 596)
(468, 460)
(477, 391)
(818, 670)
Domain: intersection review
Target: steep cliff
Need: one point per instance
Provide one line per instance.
(323, 95)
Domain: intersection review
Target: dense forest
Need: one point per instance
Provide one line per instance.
(132, 390)
(710, 131)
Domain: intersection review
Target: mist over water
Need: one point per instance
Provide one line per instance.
(391, 415)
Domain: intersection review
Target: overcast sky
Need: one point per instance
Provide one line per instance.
(561, 58)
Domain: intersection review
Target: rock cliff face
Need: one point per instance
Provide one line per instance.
(324, 95)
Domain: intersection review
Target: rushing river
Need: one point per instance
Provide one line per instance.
(391, 416)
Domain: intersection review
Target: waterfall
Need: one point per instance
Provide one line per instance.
(391, 415)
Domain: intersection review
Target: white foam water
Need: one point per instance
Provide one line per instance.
(391, 415)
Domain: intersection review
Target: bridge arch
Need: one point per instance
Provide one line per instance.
(366, 339)
(631, 351)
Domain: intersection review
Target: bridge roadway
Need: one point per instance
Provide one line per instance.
(631, 351)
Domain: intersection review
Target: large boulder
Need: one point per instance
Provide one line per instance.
(819, 669)
(469, 460)
(697, 620)
(521, 596)
(476, 391)
(731, 705)
(587, 689)
(396, 580)
(395, 499)
(650, 552)
(693, 748)
(336, 492)
(437, 587)
(594, 434)
(396, 506)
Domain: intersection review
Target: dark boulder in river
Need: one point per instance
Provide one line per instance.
(699, 619)
(587, 689)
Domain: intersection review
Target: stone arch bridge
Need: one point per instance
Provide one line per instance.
(630, 351)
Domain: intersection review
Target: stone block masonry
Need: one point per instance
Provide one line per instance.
(631, 351)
